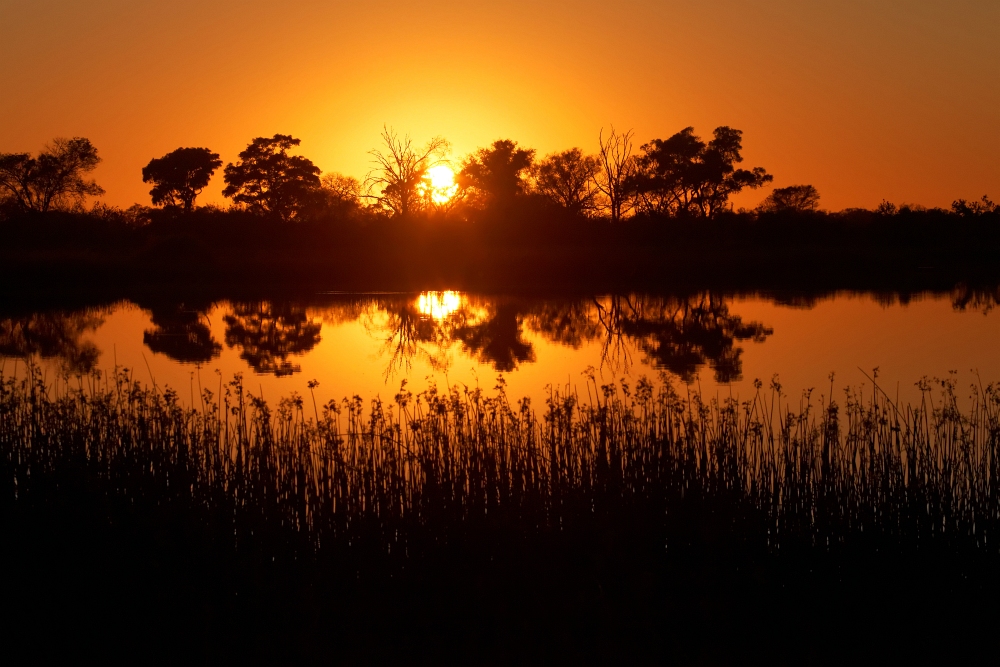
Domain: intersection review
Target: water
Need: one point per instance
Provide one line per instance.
(370, 344)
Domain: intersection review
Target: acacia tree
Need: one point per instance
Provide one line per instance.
(268, 180)
(615, 167)
(497, 173)
(568, 179)
(394, 184)
(796, 198)
(179, 176)
(683, 175)
(53, 180)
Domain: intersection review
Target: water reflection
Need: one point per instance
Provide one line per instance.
(268, 333)
(677, 334)
(181, 333)
(54, 335)
(681, 335)
(966, 298)
(439, 305)
(498, 338)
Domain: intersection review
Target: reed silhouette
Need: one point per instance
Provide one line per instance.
(628, 523)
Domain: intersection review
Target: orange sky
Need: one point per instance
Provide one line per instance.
(866, 99)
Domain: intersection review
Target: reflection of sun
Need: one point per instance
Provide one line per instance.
(440, 182)
(439, 305)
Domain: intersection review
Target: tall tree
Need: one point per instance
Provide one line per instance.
(394, 184)
(53, 180)
(616, 165)
(179, 176)
(567, 179)
(268, 180)
(683, 175)
(497, 173)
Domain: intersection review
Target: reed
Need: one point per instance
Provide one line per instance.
(624, 482)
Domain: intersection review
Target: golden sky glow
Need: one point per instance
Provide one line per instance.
(865, 99)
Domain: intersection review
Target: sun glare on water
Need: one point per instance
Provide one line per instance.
(440, 180)
(439, 305)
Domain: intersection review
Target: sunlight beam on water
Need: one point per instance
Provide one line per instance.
(439, 305)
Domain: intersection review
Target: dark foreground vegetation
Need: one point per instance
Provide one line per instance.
(630, 525)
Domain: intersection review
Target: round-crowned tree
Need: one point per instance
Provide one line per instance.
(179, 176)
(267, 180)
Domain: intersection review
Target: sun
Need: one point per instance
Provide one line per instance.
(440, 182)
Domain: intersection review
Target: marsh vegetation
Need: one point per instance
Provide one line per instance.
(458, 523)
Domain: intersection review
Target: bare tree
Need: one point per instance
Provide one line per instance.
(394, 183)
(616, 165)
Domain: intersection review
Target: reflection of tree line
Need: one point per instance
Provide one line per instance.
(677, 334)
(56, 335)
(266, 333)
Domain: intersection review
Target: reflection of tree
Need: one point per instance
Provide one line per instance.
(965, 298)
(268, 333)
(406, 333)
(677, 334)
(682, 334)
(568, 323)
(182, 335)
(497, 339)
(51, 335)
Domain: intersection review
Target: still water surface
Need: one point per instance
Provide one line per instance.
(368, 344)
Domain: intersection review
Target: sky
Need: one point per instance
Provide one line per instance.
(865, 99)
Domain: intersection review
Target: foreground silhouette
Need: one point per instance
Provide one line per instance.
(464, 528)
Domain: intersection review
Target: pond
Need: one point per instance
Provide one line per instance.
(370, 344)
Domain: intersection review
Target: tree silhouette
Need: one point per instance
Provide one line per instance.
(182, 335)
(683, 175)
(795, 198)
(393, 185)
(568, 179)
(179, 176)
(497, 173)
(976, 208)
(268, 180)
(54, 179)
(616, 165)
(268, 333)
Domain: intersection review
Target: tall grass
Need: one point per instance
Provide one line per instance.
(822, 470)
(618, 494)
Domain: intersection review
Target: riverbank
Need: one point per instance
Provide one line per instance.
(226, 251)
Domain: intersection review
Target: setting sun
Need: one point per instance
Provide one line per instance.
(441, 183)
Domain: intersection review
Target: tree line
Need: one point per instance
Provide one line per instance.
(681, 176)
